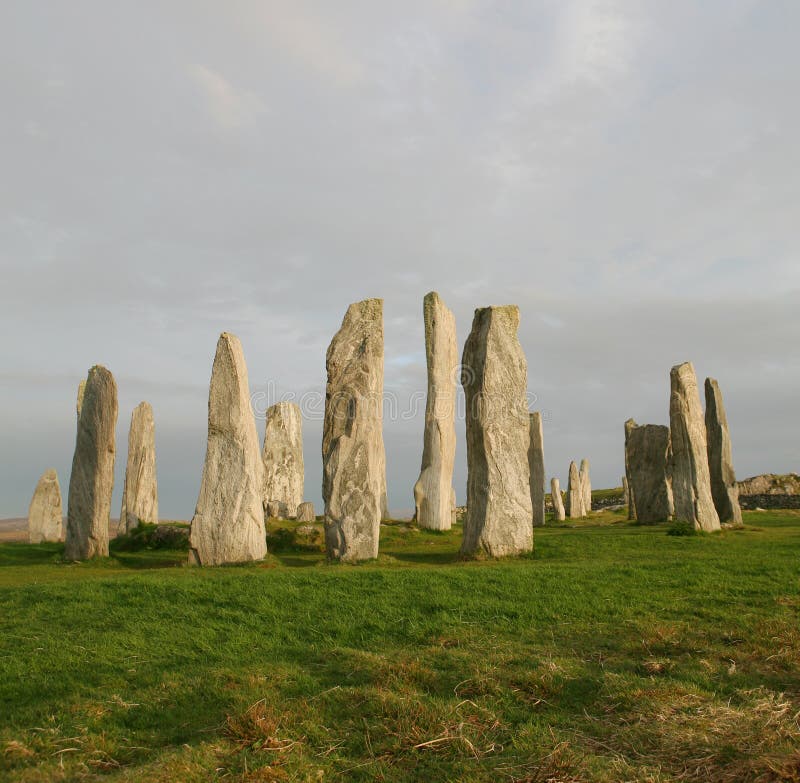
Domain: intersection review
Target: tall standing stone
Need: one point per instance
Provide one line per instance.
(283, 458)
(558, 502)
(691, 483)
(494, 375)
(536, 466)
(630, 500)
(626, 492)
(724, 489)
(586, 486)
(434, 487)
(79, 401)
(140, 494)
(228, 522)
(353, 456)
(45, 516)
(91, 482)
(648, 455)
(575, 497)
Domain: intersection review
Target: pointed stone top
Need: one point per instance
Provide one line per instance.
(682, 368)
(49, 475)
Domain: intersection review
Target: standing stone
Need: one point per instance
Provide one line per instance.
(626, 491)
(434, 487)
(353, 456)
(274, 509)
(79, 402)
(453, 507)
(140, 495)
(494, 375)
(691, 483)
(283, 458)
(558, 501)
(724, 489)
(629, 425)
(92, 479)
(536, 465)
(228, 523)
(44, 513)
(648, 455)
(586, 486)
(305, 512)
(575, 496)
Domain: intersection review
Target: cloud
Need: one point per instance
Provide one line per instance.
(231, 108)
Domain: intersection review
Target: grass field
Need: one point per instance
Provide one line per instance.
(614, 653)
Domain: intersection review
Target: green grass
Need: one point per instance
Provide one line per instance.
(615, 652)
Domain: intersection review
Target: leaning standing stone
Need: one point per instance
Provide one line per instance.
(44, 512)
(691, 484)
(433, 490)
(574, 506)
(586, 486)
(536, 465)
(228, 523)
(724, 489)
(305, 512)
(283, 458)
(648, 454)
(140, 495)
(494, 375)
(353, 456)
(92, 479)
(558, 502)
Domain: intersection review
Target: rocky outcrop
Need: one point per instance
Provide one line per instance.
(45, 513)
(140, 494)
(494, 376)
(586, 486)
(691, 483)
(630, 499)
(770, 484)
(228, 522)
(91, 482)
(434, 487)
(724, 489)
(283, 458)
(558, 502)
(536, 466)
(575, 497)
(353, 456)
(305, 512)
(647, 457)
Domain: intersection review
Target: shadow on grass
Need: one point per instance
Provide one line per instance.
(22, 554)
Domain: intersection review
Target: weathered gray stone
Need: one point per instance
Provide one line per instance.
(433, 490)
(559, 514)
(274, 509)
(575, 498)
(724, 489)
(305, 512)
(45, 513)
(691, 484)
(353, 456)
(92, 479)
(586, 486)
(494, 375)
(140, 494)
(536, 466)
(228, 523)
(283, 458)
(631, 500)
(647, 455)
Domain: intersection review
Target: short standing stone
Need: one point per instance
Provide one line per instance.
(228, 523)
(92, 479)
(140, 495)
(536, 465)
(45, 513)
(648, 454)
(353, 456)
(433, 490)
(586, 486)
(574, 505)
(494, 375)
(305, 512)
(558, 502)
(275, 509)
(724, 489)
(283, 457)
(631, 500)
(691, 484)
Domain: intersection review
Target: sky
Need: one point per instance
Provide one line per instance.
(626, 171)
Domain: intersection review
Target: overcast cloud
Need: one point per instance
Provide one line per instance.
(625, 172)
